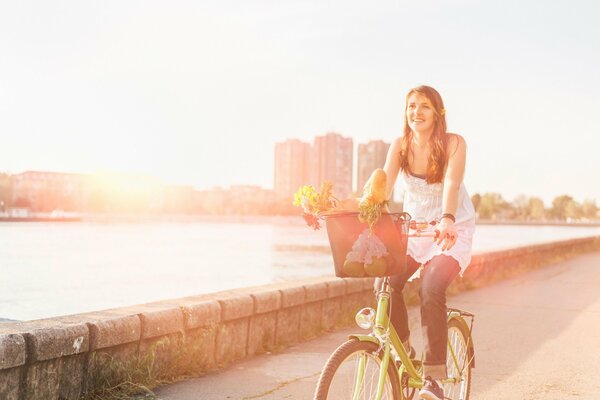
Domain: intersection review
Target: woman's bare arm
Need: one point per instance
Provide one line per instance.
(455, 172)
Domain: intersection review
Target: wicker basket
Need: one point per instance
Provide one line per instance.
(344, 228)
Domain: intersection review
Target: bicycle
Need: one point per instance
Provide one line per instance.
(376, 366)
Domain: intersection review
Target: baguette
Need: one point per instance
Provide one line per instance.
(375, 190)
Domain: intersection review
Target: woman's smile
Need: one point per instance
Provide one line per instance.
(420, 112)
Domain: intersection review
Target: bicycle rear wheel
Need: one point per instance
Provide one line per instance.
(459, 365)
(342, 379)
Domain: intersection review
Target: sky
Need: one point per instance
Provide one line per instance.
(199, 92)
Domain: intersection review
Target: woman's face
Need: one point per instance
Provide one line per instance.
(420, 113)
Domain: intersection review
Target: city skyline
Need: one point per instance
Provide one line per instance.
(45, 194)
(198, 93)
(135, 183)
(329, 158)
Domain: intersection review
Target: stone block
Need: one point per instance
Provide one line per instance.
(261, 336)
(12, 350)
(315, 291)
(236, 307)
(201, 314)
(368, 283)
(111, 365)
(200, 345)
(288, 326)
(311, 321)
(114, 331)
(42, 381)
(292, 296)
(71, 376)
(232, 339)
(47, 343)
(91, 316)
(161, 321)
(336, 288)
(357, 301)
(266, 300)
(10, 383)
(333, 313)
(164, 354)
(477, 261)
(354, 285)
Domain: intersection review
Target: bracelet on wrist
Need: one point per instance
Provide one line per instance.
(449, 216)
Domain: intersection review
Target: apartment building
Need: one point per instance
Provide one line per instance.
(332, 159)
(292, 167)
(370, 157)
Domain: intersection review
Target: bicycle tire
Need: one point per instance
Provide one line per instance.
(336, 373)
(459, 336)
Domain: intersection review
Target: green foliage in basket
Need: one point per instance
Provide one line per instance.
(370, 213)
(315, 203)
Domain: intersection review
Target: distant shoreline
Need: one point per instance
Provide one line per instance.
(40, 219)
(279, 219)
(256, 219)
(592, 224)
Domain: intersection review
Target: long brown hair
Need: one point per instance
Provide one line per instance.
(438, 157)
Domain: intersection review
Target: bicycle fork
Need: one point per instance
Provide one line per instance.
(384, 335)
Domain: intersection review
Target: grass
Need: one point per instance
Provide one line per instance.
(167, 360)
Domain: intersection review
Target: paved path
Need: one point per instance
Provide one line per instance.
(537, 336)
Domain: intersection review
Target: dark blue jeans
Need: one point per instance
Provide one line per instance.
(436, 276)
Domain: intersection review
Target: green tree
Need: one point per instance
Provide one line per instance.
(573, 210)
(589, 209)
(559, 207)
(492, 206)
(535, 209)
(476, 199)
(521, 207)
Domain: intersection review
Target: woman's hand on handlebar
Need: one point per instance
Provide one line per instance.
(447, 234)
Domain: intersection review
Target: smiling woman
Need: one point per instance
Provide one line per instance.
(432, 162)
(425, 112)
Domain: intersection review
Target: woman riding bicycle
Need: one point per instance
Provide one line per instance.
(432, 165)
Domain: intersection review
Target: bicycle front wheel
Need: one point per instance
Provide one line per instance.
(352, 372)
(458, 362)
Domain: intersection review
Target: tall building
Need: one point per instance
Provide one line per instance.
(292, 167)
(370, 157)
(332, 161)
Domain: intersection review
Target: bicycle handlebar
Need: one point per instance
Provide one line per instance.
(431, 234)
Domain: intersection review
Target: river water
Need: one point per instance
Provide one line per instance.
(51, 269)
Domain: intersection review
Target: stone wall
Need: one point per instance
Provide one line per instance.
(67, 357)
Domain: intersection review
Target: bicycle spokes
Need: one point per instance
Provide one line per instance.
(360, 375)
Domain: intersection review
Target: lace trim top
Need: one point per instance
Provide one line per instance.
(424, 201)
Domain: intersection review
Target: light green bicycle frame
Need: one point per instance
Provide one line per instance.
(386, 337)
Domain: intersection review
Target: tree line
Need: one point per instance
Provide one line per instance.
(98, 197)
(563, 208)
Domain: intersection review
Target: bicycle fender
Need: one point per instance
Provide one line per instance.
(461, 321)
(364, 338)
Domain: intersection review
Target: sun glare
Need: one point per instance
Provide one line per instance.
(130, 191)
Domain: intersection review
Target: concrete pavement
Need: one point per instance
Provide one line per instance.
(536, 337)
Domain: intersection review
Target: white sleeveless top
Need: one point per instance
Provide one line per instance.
(424, 201)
